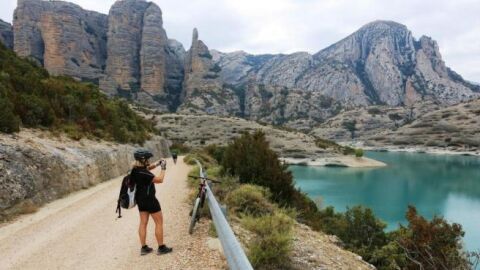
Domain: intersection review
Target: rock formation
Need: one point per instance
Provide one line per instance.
(138, 55)
(381, 63)
(6, 34)
(203, 90)
(129, 54)
(175, 72)
(62, 36)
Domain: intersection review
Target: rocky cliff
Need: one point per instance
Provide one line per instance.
(62, 36)
(126, 52)
(6, 34)
(35, 169)
(136, 63)
(203, 90)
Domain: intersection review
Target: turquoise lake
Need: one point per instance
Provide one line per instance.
(446, 185)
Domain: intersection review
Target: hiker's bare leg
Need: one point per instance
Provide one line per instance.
(158, 218)
(142, 228)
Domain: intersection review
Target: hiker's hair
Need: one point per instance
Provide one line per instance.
(140, 163)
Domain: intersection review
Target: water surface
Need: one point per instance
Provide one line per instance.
(444, 185)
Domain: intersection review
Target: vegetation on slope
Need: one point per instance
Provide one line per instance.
(30, 97)
(425, 244)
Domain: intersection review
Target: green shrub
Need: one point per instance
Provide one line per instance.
(250, 200)
(374, 111)
(9, 122)
(359, 152)
(325, 144)
(351, 126)
(361, 231)
(250, 158)
(271, 247)
(215, 151)
(346, 150)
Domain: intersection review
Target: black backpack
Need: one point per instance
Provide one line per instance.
(126, 198)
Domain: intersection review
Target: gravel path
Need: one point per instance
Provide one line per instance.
(81, 232)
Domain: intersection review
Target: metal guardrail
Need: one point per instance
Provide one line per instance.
(236, 258)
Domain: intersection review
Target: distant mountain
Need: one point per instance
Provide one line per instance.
(128, 53)
(381, 63)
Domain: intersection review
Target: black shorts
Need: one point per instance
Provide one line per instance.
(150, 205)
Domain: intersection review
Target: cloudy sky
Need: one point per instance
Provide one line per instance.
(284, 26)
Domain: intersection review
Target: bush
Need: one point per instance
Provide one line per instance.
(9, 122)
(434, 244)
(346, 150)
(180, 148)
(359, 152)
(361, 231)
(250, 158)
(325, 144)
(250, 200)
(201, 156)
(215, 151)
(273, 244)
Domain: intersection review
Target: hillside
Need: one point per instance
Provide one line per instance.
(455, 128)
(200, 130)
(30, 97)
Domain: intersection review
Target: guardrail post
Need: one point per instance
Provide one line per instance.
(236, 258)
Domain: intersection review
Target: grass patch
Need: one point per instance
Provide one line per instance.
(272, 247)
(250, 200)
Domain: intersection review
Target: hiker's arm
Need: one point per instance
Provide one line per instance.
(153, 166)
(159, 178)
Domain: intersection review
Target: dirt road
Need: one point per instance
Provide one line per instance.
(81, 232)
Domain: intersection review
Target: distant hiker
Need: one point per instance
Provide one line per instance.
(148, 205)
(174, 156)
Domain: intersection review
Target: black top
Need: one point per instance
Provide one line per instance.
(144, 180)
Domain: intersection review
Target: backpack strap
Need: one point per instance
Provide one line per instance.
(119, 209)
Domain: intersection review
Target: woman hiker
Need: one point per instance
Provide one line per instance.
(147, 204)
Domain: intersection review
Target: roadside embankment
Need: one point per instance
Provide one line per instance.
(36, 168)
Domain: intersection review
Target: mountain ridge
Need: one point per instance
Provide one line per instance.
(129, 54)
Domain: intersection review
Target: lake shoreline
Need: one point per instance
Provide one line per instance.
(410, 149)
(421, 150)
(336, 161)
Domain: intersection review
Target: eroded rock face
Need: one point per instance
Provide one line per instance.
(175, 72)
(203, 90)
(125, 22)
(280, 105)
(381, 63)
(138, 54)
(62, 36)
(6, 34)
(152, 52)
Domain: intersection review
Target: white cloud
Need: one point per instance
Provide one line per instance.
(274, 26)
